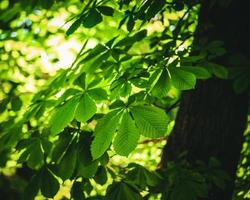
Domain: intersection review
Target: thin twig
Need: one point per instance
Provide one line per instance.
(155, 140)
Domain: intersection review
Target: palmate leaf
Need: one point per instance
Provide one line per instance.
(87, 171)
(104, 132)
(49, 184)
(35, 159)
(32, 153)
(86, 167)
(32, 188)
(106, 10)
(93, 18)
(220, 71)
(98, 94)
(76, 24)
(63, 115)
(190, 188)
(67, 165)
(181, 79)
(151, 121)
(127, 136)
(76, 191)
(142, 177)
(199, 72)
(101, 175)
(61, 145)
(127, 41)
(85, 109)
(162, 85)
(122, 191)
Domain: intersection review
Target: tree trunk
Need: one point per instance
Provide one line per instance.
(212, 118)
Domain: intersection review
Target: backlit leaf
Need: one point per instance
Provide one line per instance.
(104, 133)
(127, 136)
(85, 109)
(151, 121)
(63, 115)
(181, 79)
(93, 18)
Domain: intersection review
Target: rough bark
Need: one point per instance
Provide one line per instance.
(212, 118)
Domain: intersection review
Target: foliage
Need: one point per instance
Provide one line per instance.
(133, 63)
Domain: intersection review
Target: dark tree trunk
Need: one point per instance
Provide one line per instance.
(212, 118)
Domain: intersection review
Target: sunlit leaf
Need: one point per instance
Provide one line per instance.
(63, 115)
(104, 133)
(181, 79)
(162, 85)
(151, 121)
(127, 136)
(86, 108)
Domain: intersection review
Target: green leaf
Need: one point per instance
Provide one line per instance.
(125, 89)
(93, 18)
(106, 10)
(35, 159)
(199, 72)
(66, 167)
(219, 71)
(76, 191)
(87, 171)
(80, 81)
(104, 159)
(117, 104)
(46, 4)
(49, 184)
(46, 145)
(127, 136)
(86, 167)
(93, 83)
(162, 85)
(63, 115)
(59, 80)
(241, 84)
(122, 190)
(88, 187)
(101, 175)
(104, 132)
(151, 121)
(69, 93)
(98, 94)
(142, 177)
(96, 51)
(154, 8)
(190, 187)
(128, 41)
(74, 27)
(61, 145)
(16, 103)
(84, 154)
(181, 79)
(96, 64)
(178, 6)
(130, 24)
(85, 109)
(3, 105)
(32, 153)
(32, 188)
